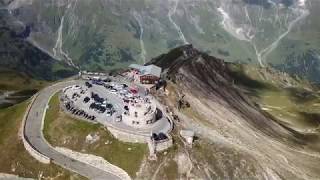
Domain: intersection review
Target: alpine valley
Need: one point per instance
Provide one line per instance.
(104, 34)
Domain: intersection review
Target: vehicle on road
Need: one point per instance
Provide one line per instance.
(88, 84)
(86, 99)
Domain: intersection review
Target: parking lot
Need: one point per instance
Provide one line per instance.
(106, 102)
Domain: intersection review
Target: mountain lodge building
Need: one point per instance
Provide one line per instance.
(149, 74)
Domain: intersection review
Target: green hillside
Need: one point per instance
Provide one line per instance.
(19, 55)
(15, 159)
(293, 102)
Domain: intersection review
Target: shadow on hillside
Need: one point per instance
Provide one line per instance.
(311, 119)
(242, 79)
(17, 97)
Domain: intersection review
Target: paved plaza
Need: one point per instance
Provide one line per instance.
(118, 99)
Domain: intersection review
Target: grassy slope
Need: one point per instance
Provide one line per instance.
(22, 86)
(62, 130)
(296, 106)
(11, 80)
(14, 158)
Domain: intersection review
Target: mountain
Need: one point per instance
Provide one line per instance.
(262, 123)
(19, 55)
(103, 34)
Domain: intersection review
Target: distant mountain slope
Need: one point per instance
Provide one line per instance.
(102, 34)
(17, 54)
(269, 115)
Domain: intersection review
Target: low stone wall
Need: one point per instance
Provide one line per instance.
(34, 153)
(128, 136)
(164, 144)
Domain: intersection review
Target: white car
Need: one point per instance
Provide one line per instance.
(124, 91)
(109, 113)
(119, 118)
(129, 95)
(118, 87)
(113, 90)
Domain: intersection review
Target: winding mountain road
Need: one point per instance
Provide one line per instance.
(34, 136)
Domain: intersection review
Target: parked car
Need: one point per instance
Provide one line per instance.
(107, 80)
(109, 106)
(124, 91)
(108, 86)
(109, 113)
(113, 90)
(86, 99)
(119, 118)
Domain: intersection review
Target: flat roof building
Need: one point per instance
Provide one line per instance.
(188, 135)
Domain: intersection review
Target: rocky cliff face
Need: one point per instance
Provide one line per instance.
(229, 108)
(102, 34)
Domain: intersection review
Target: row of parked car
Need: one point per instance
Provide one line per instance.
(102, 108)
(75, 95)
(88, 85)
(97, 98)
(79, 112)
(97, 107)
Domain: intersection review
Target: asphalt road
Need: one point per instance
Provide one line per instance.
(33, 133)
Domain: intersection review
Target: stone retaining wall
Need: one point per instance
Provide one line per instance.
(34, 153)
(164, 144)
(127, 136)
(139, 138)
